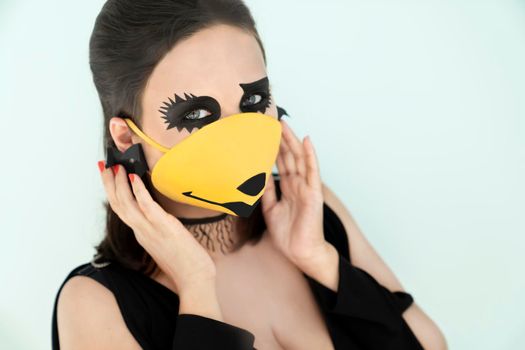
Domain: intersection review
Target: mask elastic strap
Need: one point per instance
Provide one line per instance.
(145, 137)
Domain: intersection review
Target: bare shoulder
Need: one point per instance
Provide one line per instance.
(88, 317)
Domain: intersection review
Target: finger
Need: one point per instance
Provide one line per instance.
(282, 173)
(130, 211)
(313, 176)
(280, 162)
(296, 147)
(153, 212)
(109, 185)
(288, 158)
(269, 197)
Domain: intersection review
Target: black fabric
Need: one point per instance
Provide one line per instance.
(199, 332)
(362, 314)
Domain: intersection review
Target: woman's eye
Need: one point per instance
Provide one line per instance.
(252, 100)
(197, 114)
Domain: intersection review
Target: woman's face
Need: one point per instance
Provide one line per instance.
(217, 72)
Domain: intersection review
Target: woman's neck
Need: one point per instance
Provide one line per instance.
(217, 234)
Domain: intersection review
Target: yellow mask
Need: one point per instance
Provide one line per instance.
(223, 166)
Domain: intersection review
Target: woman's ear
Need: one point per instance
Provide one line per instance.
(121, 133)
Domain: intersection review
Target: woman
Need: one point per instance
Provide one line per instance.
(172, 275)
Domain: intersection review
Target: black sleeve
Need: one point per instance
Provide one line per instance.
(198, 332)
(367, 312)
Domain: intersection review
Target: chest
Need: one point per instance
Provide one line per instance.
(265, 293)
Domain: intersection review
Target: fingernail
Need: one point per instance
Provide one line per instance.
(131, 177)
(101, 165)
(115, 169)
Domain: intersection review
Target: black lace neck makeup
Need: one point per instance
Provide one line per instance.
(213, 232)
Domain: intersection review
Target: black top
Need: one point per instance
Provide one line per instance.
(362, 314)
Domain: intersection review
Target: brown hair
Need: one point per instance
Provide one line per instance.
(129, 38)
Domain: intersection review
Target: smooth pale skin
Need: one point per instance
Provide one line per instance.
(213, 62)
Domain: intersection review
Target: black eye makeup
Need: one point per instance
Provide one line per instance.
(191, 112)
(256, 97)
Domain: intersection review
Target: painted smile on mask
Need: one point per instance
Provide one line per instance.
(251, 187)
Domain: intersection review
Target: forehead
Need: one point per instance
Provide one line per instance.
(214, 60)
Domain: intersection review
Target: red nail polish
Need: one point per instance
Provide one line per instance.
(101, 165)
(131, 177)
(115, 168)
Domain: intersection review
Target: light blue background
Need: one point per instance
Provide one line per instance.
(416, 110)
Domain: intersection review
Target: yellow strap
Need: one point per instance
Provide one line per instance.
(145, 137)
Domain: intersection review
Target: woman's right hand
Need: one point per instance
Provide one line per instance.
(161, 234)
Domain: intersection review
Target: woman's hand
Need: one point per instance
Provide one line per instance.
(161, 234)
(295, 222)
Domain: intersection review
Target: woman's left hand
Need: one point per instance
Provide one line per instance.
(295, 222)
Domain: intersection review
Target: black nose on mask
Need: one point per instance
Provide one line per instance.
(253, 185)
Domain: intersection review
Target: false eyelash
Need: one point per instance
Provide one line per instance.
(259, 108)
(268, 102)
(170, 108)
